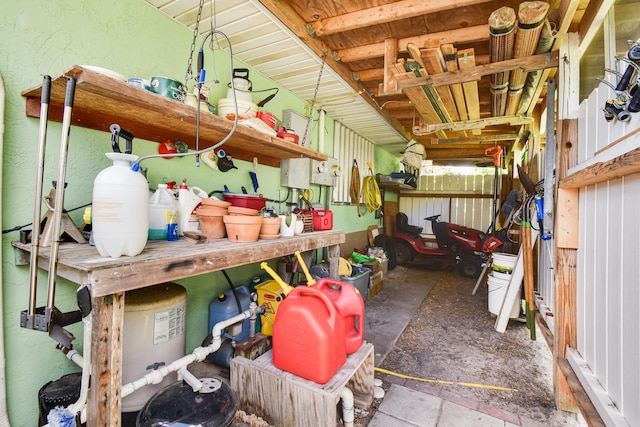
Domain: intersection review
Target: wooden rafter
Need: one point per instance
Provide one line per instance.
(382, 14)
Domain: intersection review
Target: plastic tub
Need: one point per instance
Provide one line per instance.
(359, 279)
(497, 292)
(503, 264)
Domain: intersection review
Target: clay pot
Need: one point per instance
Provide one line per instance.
(237, 210)
(243, 228)
(215, 202)
(270, 226)
(211, 211)
(212, 226)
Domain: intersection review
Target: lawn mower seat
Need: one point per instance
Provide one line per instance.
(403, 226)
(441, 231)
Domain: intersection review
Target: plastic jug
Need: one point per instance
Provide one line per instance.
(120, 208)
(189, 199)
(162, 207)
(308, 336)
(225, 306)
(350, 306)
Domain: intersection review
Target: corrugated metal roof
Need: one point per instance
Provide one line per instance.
(262, 42)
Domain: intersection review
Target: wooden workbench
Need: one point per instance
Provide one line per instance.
(109, 278)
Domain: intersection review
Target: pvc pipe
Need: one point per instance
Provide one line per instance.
(347, 407)
(4, 416)
(198, 354)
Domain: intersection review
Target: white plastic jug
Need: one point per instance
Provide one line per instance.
(189, 199)
(120, 211)
(162, 207)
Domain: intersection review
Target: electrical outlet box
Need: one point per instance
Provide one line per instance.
(325, 172)
(298, 123)
(294, 173)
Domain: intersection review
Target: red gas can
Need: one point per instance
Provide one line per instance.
(350, 306)
(308, 335)
(322, 220)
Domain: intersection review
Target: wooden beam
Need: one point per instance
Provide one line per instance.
(466, 60)
(489, 139)
(455, 153)
(588, 410)
(451, 60)
(434, 64)
(620, 166)
(390, 84)
(478, 33)
(565, 311)
(475, 73)
(289, 17)
(386, 13)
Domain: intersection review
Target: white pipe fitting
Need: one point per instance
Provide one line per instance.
(190, 379)
(347, 407)
(197, 355)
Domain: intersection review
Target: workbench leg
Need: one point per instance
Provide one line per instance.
(104, 401)
(334, 261)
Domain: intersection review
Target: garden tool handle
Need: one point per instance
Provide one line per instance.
(310, 280)
(285, 287)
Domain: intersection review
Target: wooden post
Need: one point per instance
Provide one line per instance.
(565, 263)
(104, 401)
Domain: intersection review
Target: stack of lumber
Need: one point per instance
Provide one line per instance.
(443, 104)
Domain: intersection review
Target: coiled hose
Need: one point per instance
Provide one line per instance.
(371, 193)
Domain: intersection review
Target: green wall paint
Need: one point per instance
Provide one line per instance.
(129, 37)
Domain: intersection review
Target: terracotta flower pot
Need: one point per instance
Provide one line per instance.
(243, 228)
(211, 211)
(215, 202)
(270, 226)
(237, 210)
(212, 226)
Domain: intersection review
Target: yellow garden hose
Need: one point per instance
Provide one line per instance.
(371, 192)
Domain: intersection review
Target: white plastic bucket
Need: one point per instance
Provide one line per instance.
(503, 264)
(497, 291)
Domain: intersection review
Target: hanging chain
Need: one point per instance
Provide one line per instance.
(189, 74)
(313, 101)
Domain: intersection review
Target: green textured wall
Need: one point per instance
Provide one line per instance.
(38, 38)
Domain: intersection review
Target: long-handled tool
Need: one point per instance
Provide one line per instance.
(35, 233)
(50, 318)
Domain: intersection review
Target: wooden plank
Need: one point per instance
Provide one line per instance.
(162, 261)
(566, 228)
(434, 64)
(101, 101)
(620, 166)
(390, 84)
(103, 402)
(466, 60)
(403, 9)
(451, 60)
(565, 272)
(475, 73)
(477, 33)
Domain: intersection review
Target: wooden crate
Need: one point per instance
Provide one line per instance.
(287, 400)
(375, 284)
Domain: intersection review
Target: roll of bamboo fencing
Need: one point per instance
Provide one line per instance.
(502, 26)
(531, 17)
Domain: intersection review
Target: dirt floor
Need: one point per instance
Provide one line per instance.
(451, 337)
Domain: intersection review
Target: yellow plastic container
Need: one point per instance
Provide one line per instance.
(270, 294)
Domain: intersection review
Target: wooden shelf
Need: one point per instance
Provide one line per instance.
(162, 261)
(101, 101)
(395, 186)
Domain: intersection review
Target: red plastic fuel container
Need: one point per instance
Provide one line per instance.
(322, 220)
(350, 306)
(308, 335)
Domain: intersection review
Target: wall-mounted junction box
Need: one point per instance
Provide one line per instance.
(325, 172)
(298, 123)
(294, 173)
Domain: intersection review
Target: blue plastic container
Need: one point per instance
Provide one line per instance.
(224, 306)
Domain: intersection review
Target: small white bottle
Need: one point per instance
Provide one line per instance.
(162, 207)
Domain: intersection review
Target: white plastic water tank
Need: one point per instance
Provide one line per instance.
(154, 333)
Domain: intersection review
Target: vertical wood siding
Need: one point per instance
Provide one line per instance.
(608, 276)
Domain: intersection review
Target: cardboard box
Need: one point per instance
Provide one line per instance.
(375, 284)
